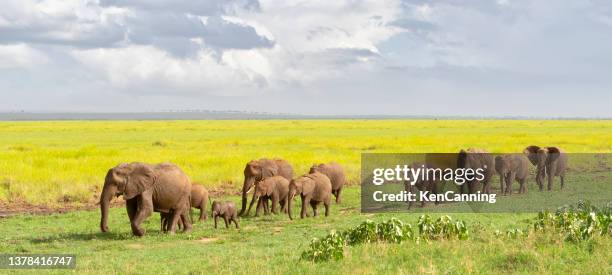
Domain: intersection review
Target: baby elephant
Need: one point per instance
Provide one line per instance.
(199, 200)
(225, 210)
(512, 167)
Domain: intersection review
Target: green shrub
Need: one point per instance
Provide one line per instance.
(442, 228)
(577, 223)
(390, 231)
(332, 245)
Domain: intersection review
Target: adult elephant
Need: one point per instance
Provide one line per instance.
(474, 158)
(335, 173)
(549, 161)
(146, 188)
(257, 170)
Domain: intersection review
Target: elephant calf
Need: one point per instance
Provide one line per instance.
(428, 184)
(225, 210)
(274, 188)
(512, 167)
(199, 200)
(335, 173)
(313, 189)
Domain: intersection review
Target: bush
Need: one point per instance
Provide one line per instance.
(442, 228)
(390, 231)
(577, 223)
(332, 245)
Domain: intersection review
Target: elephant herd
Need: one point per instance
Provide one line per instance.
(166, 189)
(550, 162)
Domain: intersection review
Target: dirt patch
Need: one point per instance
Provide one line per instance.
(205, 240)
(224, 189)
(17, 207)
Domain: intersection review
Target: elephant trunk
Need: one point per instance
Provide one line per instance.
(290, 197)
(246, 186)
(107, 194)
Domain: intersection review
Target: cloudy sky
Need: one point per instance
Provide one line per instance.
(410, 57)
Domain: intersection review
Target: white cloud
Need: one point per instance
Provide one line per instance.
(20, 56)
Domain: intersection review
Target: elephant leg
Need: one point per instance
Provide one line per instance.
(314, 204)
(184, 221)
(203, 215)
(145, 208)
(327, 204)
(162, 219)
(235, 220)
(523, 183)
(539, 177)
(260, 206)
(561, 177)
(251, 204)
(305, 202)
(338, 192)
(216, 218)
(274, 204)
(266, 206)
(175, 217)
(131, 206)
(225, 219)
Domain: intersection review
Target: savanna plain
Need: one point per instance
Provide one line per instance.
(64, 163)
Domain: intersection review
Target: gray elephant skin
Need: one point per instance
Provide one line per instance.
(275, 189)
(226, 210)
(146, 188)
(257, 170)
(313, 189)
(474, 158)
(550, 162)
(335, 173)
(510, 168)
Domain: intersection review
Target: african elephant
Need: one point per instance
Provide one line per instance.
(313, 189)
(275, 188)
(146, 188)
(256, 170)
(430, 183)
(549, 161)
(335, 173)
(225, 210)
(198, 199)
(512, 167)
(474, 158)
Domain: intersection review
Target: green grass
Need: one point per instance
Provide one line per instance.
(54, 162)
(65, 161)
(272, 244)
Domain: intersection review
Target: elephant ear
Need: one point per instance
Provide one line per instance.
(139, 179)
(461, 159)
(252, 168)
(532, 153)
(308, 185)
(553, 154)
(498, 164)
(269, 171)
